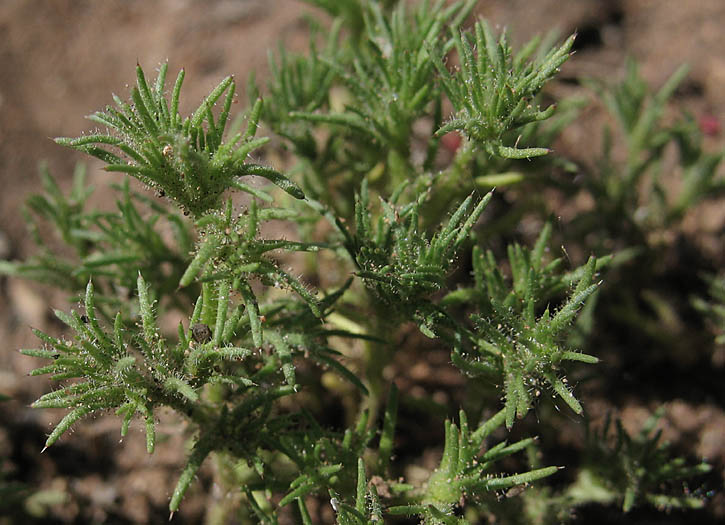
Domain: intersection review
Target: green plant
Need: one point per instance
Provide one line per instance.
(508, 341)
(248, 368)
(633, 197)
(633, 468)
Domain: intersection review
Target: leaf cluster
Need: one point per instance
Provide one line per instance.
(634, 469)
(464, 472)
(493, 91)
(181, 159)
(513, 341)
(392, 79)
(395, 258)
(112, 247)
(633, 197)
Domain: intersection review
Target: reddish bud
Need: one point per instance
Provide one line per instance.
(709, 125)
(451, 141)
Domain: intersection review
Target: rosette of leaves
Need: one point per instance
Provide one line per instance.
(186, 159)
(391, 81)
(633, 470)
(517, 338)
(465, 473)
(133, 372)
(108, 369)
(110, 247)
(129, 240)
(632, 198)
(69, 219)
(493, 91)
(398, 261)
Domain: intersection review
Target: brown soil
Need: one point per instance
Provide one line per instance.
(61, 59)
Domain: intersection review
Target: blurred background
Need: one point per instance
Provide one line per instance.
(62, 59)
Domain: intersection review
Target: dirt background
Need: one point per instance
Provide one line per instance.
(62, 59)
